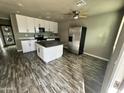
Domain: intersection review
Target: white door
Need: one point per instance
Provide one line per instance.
(115, 69)
(30, 25)
(21, 23)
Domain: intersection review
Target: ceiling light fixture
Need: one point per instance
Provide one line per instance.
(48, 17)
(20, 4)
(81, 3)
(76, 16)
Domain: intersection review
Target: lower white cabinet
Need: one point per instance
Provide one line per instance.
(28, 45)
(48, 54)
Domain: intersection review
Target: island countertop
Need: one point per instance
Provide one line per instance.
(49, 43)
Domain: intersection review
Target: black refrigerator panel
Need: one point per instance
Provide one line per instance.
(82, 41)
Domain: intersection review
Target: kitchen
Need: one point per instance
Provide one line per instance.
(35, 30)
(55, 46)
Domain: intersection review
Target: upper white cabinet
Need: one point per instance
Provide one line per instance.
(36, 24)
(31, 25)
(47, 25)
(42, 23)
(21, 23)
(54, 27)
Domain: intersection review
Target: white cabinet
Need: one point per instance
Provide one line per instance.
(54, 27)
(25, 24)
(30, 25)
(47, 25)
(28, 45)
(42, 23)
(51, 26)
(36, 24)
(48, 54)
(21, 23)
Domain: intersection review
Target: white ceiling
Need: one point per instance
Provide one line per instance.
(55, 9)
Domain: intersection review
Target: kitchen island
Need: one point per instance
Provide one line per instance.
(49, 50)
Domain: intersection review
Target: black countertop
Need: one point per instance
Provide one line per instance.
(49, 43)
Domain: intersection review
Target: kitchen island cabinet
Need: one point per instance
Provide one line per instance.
(49, 50)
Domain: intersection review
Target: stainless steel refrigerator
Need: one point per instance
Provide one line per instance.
(77, 39)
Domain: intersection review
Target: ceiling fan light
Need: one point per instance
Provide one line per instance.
(79, 4)
(76, 17)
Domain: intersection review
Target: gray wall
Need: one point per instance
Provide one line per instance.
(111, 66)
(17, 34)
(101, 32)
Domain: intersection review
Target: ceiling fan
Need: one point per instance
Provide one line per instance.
(76, 14)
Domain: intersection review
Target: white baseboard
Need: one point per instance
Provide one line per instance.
(105, 59)
(19, 50)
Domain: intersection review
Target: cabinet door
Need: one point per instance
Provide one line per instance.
(30, 25)
(32, 45)
(55, 27)
(47, 25)
(42, 23)
(25, 46)
(21, 23)
(37, 24)
(38, 50)
(51, 26)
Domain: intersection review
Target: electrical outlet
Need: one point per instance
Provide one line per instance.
(116, 84)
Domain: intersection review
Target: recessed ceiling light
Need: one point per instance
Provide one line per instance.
(18, 12)
(48, 17)
(76, 17)
(20, 4)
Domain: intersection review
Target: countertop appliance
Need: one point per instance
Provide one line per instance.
(77, 39)
(7, 35)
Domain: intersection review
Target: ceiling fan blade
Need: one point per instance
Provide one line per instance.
(83, 16)
(68, 14)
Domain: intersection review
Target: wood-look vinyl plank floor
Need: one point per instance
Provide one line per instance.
(26, 73)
